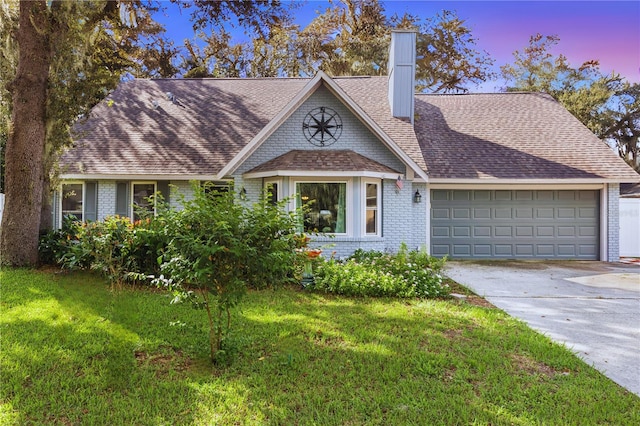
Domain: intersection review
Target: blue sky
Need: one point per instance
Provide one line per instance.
(605, 30)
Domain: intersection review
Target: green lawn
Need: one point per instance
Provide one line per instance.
(74, 353)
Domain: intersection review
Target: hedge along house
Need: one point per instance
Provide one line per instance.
(510, 175)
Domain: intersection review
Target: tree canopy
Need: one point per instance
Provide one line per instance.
(60, 58)
(606, 103)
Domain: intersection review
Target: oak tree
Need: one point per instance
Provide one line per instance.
(606, 103)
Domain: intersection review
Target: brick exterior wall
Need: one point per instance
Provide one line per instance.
(613, 222)
(399, 213)
(355, 136)
(106, 198)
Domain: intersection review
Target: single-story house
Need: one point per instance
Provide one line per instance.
(506, 175)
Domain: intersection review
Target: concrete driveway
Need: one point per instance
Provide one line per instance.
(591, 307)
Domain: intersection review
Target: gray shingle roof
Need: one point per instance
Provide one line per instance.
(210, 121)
(138, 130)
(323, 160)
(510, 136)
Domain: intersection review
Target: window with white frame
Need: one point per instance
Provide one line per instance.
(371, 190)
(72, 200)
(325, 206)
(141, 191)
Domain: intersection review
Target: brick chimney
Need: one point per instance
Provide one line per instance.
(402, 73)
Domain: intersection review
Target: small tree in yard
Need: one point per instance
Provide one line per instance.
(218, 246)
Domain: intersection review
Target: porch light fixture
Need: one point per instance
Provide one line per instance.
(417, 197)
(243, 194)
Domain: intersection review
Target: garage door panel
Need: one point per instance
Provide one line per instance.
(544, 213)
(587, 213)
(526, 250)
(459, 213)
(524, 231)
(545, 231)
(461, 231)
(545, 250)
(482, 213)
(461, 250)
(503, 195)
(439, 213)
(566, 213)
(503, 250)
(482, 250)
(440, 231)
(515, 224)
(502, 213)
(502, 231)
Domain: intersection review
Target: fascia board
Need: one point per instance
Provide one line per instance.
(519, 184)
(595, 181)
(149, 177)
(323, 174)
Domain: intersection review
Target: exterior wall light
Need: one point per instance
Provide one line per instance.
(417, 197)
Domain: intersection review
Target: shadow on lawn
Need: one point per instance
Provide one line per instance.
(75, 353)
(67, 359)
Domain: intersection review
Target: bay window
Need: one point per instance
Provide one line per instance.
(324, 206)
(371, 208)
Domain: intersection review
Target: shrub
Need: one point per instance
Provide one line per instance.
(55, 243)
(217, 247)
(371, 273)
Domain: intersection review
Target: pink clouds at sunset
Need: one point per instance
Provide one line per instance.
(608, 31)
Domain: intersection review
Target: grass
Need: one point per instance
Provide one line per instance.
(74, 353)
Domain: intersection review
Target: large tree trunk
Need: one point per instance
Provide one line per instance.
(25, 146)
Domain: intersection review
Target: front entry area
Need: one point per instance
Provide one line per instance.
(515, 224)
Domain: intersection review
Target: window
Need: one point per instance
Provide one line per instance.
(372, 208)
(72, 200)
(325, 206)
(141, 203)
(216, 187)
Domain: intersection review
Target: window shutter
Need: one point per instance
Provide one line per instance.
(122, 199)
(91, 201)
(163, 188)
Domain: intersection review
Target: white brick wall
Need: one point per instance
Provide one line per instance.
(613, 222)
(399, 214)
(106, 198)
(355, 136)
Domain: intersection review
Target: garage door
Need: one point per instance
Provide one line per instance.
(515, 224)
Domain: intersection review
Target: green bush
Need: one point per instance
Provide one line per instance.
(405, 274)
(218, 246)
(56, 243)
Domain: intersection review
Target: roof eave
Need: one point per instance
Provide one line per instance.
(132, 176)
(323, 173)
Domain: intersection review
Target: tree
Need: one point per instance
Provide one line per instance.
(25, 143)
(605, 103)
(622, 124)
(353, 39)
(69, 56)
(447, 58)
